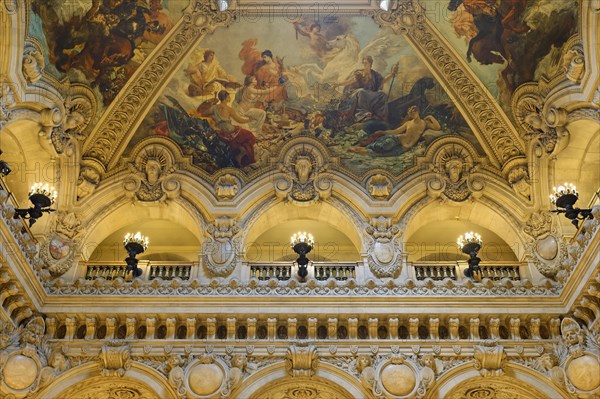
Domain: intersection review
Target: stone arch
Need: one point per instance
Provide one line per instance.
(518, 382)
(328, 380)
(30, 158)
(139, 382)
(483, 213)
(334, 213)
(579, 162)
(119, 213)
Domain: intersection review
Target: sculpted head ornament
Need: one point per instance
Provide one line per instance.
(303, 167)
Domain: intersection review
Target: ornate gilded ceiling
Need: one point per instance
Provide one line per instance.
(457, 63)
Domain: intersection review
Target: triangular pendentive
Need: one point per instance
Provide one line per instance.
(359, 88)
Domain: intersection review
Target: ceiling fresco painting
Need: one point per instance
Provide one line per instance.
(101, 42)
(506, 42)
(359, 89)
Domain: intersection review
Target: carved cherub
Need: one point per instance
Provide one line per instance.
(549, 362)
(236, 373)
(366, 370)
(175, 373)
(429, 368)
(57, 364)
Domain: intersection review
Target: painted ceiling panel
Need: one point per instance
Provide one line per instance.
(507, 42)
(101, 42)
(360, 89)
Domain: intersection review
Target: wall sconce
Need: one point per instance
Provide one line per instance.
(302, 243)
(565, 197)
(384, 5)
(42, 197)
(134, 244)
(4, 168)
(470, 244)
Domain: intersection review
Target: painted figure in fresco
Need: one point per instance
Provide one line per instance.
(208, 77)
(240, 140)
(267, 69)
(158, 17)
(494, 23)
(316, 40)
(248, 100)
(364, 88)
(395, 141)
(103, 41)
(196, 137)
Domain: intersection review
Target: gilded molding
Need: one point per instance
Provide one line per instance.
(499, 138)
(198, 20)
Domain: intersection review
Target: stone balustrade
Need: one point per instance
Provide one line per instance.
(151, 271)
(339, 271)
(170, 271)
(496, 273)
(321, 271)
(436, 272)
(281, 272)
(439, 271)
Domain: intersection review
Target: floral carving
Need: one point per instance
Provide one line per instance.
(301, 360)
(80, 111)
(537, 224)
(33, 63)
(89, 178)
(548, 129)
(518, 177)
(574, 63)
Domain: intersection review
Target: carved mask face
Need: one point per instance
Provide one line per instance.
(152, 171)
(239, 361)
(571, 336)
(74, 120)
(454, 170)
(303, 169)
(57, 361)
(363, 362)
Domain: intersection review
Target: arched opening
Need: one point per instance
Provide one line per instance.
(579, 163)
(432, 233)
(327, 382)
(464, 382)
(140, 382)
(29, 162)
(336, 237)
(174, 233)
(169, 241)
